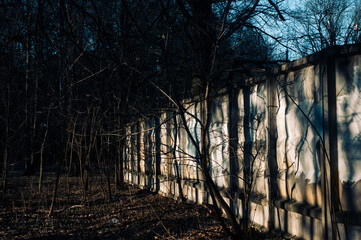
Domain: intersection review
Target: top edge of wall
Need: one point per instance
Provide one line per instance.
(313, 59)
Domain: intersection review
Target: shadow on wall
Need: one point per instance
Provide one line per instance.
(299, 112)
(348, 95)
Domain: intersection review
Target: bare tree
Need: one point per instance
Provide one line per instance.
(324, 23)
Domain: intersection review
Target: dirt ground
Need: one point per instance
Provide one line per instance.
(132, 214)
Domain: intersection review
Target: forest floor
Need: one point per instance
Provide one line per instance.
(132, 214)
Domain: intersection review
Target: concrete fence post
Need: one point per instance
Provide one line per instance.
(329, 159)
(272, 168)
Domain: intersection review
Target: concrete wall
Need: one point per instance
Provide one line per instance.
(348, 94)
(295, 134)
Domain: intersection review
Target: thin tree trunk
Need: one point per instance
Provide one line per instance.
(116, 162)
(107, 165)
(236, 228)
(204, 159)
(6, 147)
(51, 210)
(27, 133)
(27, 99)
(5, 164)
(80, 156)
(107, 173)
(103, 165)
(42, 148)
(71, 150)
(31, 167)
(182, 198)
(120, 162)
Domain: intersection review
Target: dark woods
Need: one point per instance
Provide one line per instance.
(74, 72)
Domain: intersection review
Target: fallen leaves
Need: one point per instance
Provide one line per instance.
(132, 214)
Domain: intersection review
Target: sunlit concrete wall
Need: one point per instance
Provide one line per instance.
(288, 141)
(218, 135)
(348, 97)
(252, 152)
(127, 153)
(142, 152)
(299, 122)
(300, 127)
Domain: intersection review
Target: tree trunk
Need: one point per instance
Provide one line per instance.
(42, 148)
(55, 191)
(6, 140)
(120, 167)
(178, 175)
(205, 161)
(202, 44)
